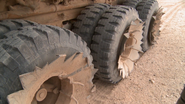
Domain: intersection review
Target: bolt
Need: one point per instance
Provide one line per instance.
(56, 91)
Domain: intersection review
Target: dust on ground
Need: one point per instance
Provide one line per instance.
(159, 75)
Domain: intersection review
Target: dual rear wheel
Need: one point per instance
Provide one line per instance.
(117, 35)
(115, 40)
(44, 64)
(150, 13)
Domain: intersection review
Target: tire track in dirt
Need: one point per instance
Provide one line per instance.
(169, 15)
(103, 89)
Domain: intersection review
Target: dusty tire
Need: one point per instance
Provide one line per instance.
(87, 21)
(132, 3)
(13, 24)
(108, 40)
(146, 9)
(37, 46)
(180, 101)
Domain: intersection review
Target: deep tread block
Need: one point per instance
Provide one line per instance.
(104, 46)
(146, 9)
(13, 24)
(87, 21)
(132, 3)
(34, 46)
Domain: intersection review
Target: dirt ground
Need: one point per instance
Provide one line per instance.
(159, 75)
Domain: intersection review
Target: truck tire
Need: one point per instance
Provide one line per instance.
(108, 41)
(87, 21)
(13, 24)
(40, 59)
(180, 101)
(132, 3)
(147, 9)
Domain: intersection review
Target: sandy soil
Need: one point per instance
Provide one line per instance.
(159, 75)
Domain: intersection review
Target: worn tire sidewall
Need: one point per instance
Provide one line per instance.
(44, 58)
(115, 56)
(152, 11)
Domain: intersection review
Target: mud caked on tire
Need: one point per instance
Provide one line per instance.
(108, 42)
(147, 9)
(132, 3)
(13, 24)
(87, 21)
(44, 65)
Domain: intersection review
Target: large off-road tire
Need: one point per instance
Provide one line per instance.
(13, 24)
(132, 3)
(181, 100)
(87, 21)
(147, 9)
(108, 42)
(38, 59)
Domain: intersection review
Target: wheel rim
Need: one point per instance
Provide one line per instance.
(39, 87)
(150, 36)
(154, 26)
(132, 47)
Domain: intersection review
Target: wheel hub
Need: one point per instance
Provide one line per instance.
(51, 85)
(41, 94)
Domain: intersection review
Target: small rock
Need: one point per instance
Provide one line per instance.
(151, 81)
(163, 84)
